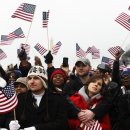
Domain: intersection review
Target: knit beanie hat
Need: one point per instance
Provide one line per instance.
(59, 71)
(40, 72)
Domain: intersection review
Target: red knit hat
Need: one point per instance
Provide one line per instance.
(59, 71)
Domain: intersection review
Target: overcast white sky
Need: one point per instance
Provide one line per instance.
(86, 22)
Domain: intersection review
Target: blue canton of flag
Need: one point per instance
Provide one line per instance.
(4, 37)
(45, 19)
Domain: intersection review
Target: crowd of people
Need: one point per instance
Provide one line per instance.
(52, 98)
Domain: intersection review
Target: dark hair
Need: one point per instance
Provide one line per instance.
(95, 76)
(104, 68)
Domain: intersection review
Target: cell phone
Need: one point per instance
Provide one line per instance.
(65, 61)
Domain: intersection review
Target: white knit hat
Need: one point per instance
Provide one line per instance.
(40, 72)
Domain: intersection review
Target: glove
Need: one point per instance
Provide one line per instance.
(30, 128)
(48, 58)
(14, 125)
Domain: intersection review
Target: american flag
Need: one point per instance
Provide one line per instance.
(97, 126)
(25, 12)
(18, 33)
(45, 18)
(94, 50)
(8, 98)
(79, 52)
(124, 20)
(88, 50)
(2, 54)
(110, 62)
(26, 47)
(107, 61)
(96, 55)
(56, 48)
(114, 50)
(5, 40)
(40, 49)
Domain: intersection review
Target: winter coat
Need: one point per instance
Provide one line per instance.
(81, 101)
(50, 115)
(73, 85)
(124, 111)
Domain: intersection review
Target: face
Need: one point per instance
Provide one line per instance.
(126, 80)
(35, 84)
(82, 69)
(95, 87)
(20, 88)
(58, 80)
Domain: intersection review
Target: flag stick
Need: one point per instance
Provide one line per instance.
(14, 114)
(29, 30)
(48, 38)
(28, 33)
(51, 44)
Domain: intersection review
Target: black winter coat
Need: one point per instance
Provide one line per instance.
(124, 112)
(50, 115)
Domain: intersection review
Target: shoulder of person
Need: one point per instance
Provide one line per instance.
(23, 95)
(56, 95)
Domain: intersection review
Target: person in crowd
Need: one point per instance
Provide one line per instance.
(25, 65)
(13, 74)
(21, 85)
(50, 68)
(57, 80)
(124, 101)
(79, 78)
(39, 109)
(77, 81)
(105, 71)
(87, 98)
(110, 90)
